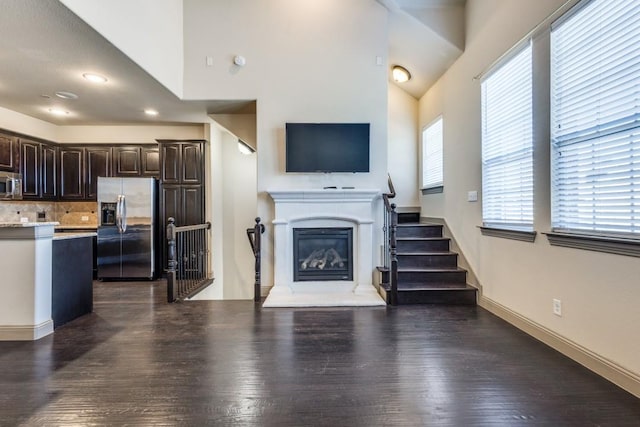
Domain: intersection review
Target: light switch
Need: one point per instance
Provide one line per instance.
(472, 196)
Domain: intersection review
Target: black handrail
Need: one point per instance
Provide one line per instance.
(188, 267)
(390, 243)
(253, 234)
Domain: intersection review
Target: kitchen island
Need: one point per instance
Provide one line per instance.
(28, 269)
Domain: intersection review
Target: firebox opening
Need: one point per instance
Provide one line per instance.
(322, 254)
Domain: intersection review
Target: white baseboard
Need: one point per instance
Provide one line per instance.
(607, 369)
(26, 332)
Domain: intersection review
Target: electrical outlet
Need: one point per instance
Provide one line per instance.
(24, 219)
(557, 307)
(84, 218)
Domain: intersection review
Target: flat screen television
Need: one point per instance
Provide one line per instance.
(327, 147)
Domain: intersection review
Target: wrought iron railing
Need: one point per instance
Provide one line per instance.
(255, 240)
(187, 257)
(390, 227)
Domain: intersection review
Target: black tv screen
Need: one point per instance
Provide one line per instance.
(327, 147)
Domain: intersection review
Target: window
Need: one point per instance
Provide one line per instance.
(432, 155)
(595, 120)
(507, 144)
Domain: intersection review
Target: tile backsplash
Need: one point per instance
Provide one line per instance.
(66, 213)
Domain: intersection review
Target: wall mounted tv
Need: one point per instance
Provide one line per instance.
(327, 147)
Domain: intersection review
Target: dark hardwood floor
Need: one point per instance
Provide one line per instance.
(139, 361)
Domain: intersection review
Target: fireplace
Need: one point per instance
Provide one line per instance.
(338, 219)
(322, 254)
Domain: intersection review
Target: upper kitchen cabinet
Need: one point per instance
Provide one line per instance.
(38, 166)
(150, 160)
(126, 161)
(30, 153)
(97, 163)
(181, 162)
(9, 153)
(72, 173)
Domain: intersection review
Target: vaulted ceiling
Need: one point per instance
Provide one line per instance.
(45, 48)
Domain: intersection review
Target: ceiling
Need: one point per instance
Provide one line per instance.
(45, 48)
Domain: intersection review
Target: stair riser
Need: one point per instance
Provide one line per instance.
(458, 297)
(419, 231)
(432, 276)
(408, 217)
(422, 245)
(408, 261)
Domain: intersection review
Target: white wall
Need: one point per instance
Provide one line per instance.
(306, 61)
(18, 122)
(403, 149)
(149, 32)
(599, 292)
(127, 134)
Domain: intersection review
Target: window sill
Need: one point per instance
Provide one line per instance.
(433, 190)
(611, 245)
(523, 236)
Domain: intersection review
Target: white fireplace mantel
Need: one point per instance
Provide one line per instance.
(349, 208)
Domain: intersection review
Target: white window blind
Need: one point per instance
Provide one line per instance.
(507, 144)
(595, 121)
(432, 155)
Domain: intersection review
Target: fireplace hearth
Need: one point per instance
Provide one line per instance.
(321, 254)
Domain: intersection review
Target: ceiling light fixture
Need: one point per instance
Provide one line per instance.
(245, 148)
(150, 112)
(58, 112)
(66, 95)
(400, 74)
(94, 78)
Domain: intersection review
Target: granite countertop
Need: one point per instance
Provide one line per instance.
(73, 235)
(27, 224)
(77, 227)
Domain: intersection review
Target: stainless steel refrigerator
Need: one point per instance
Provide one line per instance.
(126, 230)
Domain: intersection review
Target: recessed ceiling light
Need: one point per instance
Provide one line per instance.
(66, 95)
(94, 78)
(58, 112)
(150, 112)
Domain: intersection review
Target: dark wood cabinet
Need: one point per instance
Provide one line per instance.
(71, 173)
(170, 159)
(191, 163)
(150, 161)
(181, 162)
(9, 153)
(181, 180)
(97, 163)
(38, 169)
(49, 171)
(126, 161)
(30, 168)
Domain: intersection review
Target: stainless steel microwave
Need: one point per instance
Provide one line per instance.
(10, 186)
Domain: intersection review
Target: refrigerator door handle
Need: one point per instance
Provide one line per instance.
(119, 214)
(123, 213)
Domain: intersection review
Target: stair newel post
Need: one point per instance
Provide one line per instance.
(258, 229)
(394, 256)
(172, 262)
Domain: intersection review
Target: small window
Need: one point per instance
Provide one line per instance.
(432, 155)
(507, 144)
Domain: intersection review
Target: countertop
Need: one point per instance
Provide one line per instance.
(26, 224)
(76, 227)
(73, 235)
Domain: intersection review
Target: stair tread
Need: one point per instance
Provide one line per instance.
(428, 253)
(430, 269)
(438, 286)
(423, 238)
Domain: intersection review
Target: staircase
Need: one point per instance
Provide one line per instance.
(428, 271)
